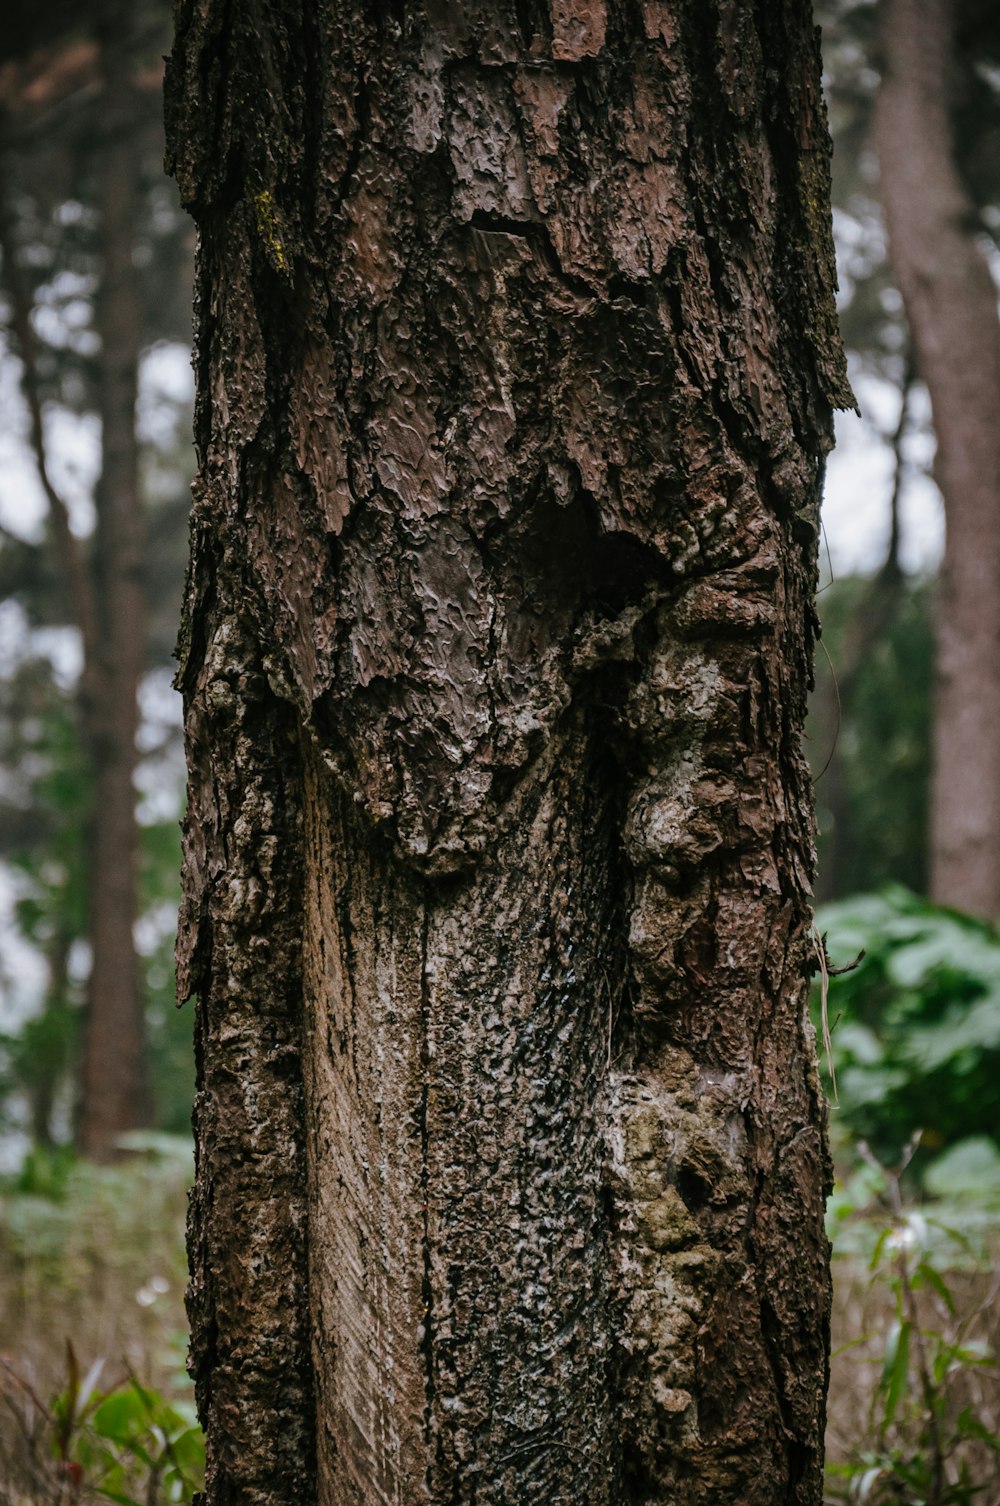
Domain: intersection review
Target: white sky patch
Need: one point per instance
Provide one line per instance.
(23, 972)
(160, 709)
(73, 450)
(73, 454)
(166, 385)
(161, 774)
(859, 482)
(151, 930)
(860, 241)
(22, 501)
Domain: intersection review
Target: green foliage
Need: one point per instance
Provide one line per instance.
(931, 1438)
(916, 1025)
(869, 740)
(128, 1444)
(46, 1172)
(44, 816)
(135, 1446)
(96, 1252)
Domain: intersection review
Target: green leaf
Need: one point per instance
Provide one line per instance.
(188, 1450)
(120, 1416)
(936, 1282)
(896, 1368)
(970, 1168)
(969, 1426)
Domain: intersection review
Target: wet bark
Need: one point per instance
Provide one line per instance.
(115, 1087)
(516, 355)
(951, 307)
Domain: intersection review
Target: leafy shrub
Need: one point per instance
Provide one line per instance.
(930, 1435)
(127, 1444)
(97, 1253)
(916, 1024)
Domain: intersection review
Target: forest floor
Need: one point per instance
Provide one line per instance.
(92, 1266)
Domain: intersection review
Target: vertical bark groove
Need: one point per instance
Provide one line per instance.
(517, 356)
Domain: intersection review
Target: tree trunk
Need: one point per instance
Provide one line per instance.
(951, 306)
(102, 580)
(115, 1094)
(516, 354)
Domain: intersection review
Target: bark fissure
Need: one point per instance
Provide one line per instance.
(426, 1252)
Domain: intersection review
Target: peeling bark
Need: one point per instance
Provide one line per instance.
(516, 356)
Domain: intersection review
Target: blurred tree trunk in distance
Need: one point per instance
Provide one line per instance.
(516, 355)
(115, 1094)
(951, 306)
(84, 105)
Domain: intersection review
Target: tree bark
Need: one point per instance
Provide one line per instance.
(951, 307)
(516, 353)
(115, 1096)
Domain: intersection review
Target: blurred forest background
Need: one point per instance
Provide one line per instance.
(96, 1069)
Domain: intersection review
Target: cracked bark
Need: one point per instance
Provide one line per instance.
(516, 356)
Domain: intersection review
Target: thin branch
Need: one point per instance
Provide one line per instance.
(891, 569)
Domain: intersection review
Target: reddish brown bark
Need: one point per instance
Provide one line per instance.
(951, 307)
(103, 585)
(115, 1095)
(516, 355)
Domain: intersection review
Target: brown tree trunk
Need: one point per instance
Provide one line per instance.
(103, 585)
(951, 306)
(115, 1094)
(515, 361)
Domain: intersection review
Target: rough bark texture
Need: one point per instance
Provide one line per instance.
(515, 361)
(951, 307)
(115, 1095)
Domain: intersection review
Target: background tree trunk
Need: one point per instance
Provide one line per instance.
(951, 307)
(115, 1095)
(101, 578)
(516, 354)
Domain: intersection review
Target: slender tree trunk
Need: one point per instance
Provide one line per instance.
(951, 306)
(115, 1086)
(515, 361)
(103, 585)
